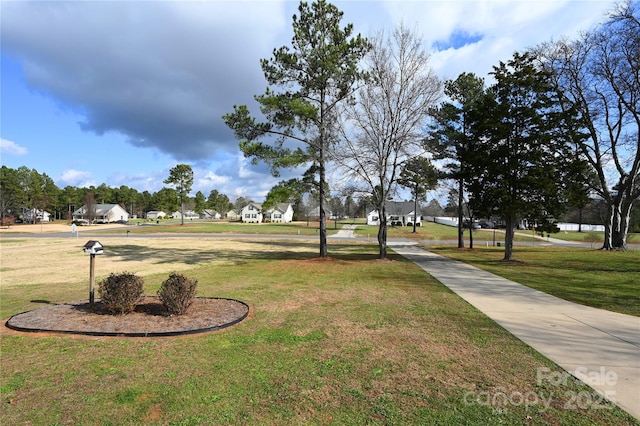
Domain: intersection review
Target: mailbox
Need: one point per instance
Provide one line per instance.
(93, 247)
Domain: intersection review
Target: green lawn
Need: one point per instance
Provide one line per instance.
(349, 340)
(430, 231)
(602, 279)
(592, 237)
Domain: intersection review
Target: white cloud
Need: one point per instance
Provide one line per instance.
(206, 181)
(12, 148)
(76, 178)
(503, 26)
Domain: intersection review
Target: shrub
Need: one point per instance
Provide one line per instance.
(176, 293)
(594, 237)
(7, 221)
(121, 292)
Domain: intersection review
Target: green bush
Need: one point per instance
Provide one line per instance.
(121, 292)
(176, 293)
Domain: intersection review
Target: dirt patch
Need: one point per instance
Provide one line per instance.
(320, 259)
(148, 319)
(55, 227)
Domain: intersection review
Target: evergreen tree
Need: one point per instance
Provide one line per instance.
(451, 136)
(181, 177)
(308, 81)
(518, 165)
(200, 202)
(420, 176)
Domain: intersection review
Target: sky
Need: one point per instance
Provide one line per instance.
(119, 92)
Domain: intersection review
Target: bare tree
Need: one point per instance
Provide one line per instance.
(599, 76)
(384, 125)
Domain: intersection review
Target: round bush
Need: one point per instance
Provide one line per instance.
(176, 293)
(121, 292)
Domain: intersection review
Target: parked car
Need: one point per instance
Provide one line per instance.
(468, 224)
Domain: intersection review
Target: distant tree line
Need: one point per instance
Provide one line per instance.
(28, 189)
(25, 188)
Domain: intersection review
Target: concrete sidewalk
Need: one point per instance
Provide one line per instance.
(599, 347)
(345, 232)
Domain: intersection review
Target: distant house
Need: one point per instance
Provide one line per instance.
(314, 214)
(252, 213)
(210, 214)
(399, 213)
(35, 215)
(156, 214)
(232, 215)
(281, 213)
(188, 214)
(102, 213)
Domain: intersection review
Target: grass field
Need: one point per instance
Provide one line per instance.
(299, 228)
(430, 231)
(350, 340)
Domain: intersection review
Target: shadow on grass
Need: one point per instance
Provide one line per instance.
(264, 250)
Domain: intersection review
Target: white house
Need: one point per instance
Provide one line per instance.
(575, 227)
(188, 214)
(210, 214)
(399, 213)
(281, 213)
(252, 213)
(39, 215)
(156, 214)
(102, 213)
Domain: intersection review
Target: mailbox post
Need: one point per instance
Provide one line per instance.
(92, 248)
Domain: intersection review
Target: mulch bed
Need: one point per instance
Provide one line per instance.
(148, 320)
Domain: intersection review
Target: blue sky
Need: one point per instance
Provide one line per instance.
(118, 92)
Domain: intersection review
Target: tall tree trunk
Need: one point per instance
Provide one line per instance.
(323, 224)
(606, 244)
(510, 221)
(460, 214)
(580, 220)
(471, 232)
(382, 232)
(617, 225)
(415, 208)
